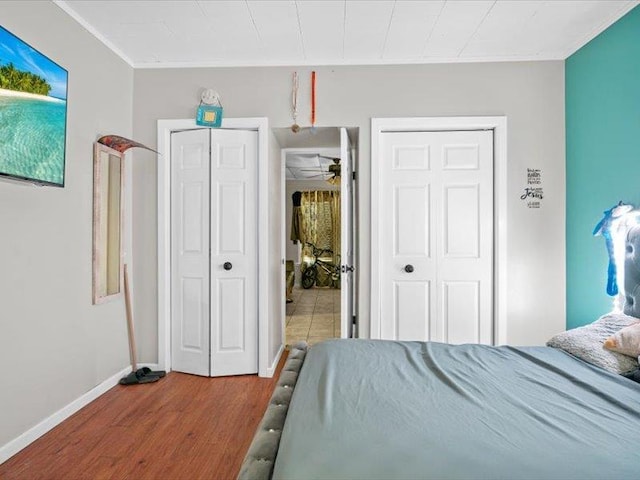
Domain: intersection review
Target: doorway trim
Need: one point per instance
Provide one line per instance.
(165, 128)
(499, 126)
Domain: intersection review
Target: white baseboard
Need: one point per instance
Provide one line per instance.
(9, 449)
(272, 369)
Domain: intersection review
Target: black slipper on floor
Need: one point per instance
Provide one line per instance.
(137, 377)
(148, 372)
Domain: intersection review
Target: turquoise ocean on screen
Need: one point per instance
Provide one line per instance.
(33, 136)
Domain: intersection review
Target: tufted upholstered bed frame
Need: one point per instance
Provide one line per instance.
(260, 458)
(632, 272)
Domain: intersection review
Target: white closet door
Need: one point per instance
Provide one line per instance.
(437, 238)
(234, 257)
(190, 252)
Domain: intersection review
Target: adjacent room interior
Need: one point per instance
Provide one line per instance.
(313, 248)
(316, 231)
(235, 232)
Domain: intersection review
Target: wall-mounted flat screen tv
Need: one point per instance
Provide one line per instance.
(33, 113)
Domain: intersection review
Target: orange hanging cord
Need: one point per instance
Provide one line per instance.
(313, 98)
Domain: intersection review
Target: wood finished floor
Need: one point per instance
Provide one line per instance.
(182, 427)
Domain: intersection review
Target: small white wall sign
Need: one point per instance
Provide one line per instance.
(533, 192)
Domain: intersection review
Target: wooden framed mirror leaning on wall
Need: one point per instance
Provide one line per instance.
(108, 174)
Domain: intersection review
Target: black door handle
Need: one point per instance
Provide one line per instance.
(227, 266)
(408, 268)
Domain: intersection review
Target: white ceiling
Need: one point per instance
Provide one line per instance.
(307, 166)
(309, 150)
(149, 34)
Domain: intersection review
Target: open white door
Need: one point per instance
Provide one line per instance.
(346, 247)
(190, 252)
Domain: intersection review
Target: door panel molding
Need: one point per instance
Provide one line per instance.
(419, 241)
(193, 340)
(230, 337)
(461, 300)
(461, 225)
(498, 124)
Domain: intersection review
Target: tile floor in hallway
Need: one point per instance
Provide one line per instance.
(314, 315)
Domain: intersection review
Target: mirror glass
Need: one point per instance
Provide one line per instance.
(107, 223)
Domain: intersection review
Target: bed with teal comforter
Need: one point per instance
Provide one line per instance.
(366, 409)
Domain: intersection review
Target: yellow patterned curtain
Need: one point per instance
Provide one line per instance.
(321, 222)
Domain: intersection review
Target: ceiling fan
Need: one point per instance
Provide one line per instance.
(331, 174)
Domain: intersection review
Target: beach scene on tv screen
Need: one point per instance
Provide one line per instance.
(33, 109)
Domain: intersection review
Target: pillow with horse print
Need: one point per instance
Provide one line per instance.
(625, 341)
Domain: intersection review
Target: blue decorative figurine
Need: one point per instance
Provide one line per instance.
(604, 228)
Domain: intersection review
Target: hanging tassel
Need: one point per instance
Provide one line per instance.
(313, 102)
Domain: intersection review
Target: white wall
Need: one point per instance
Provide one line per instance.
(530, 94)
(276, 275)
(54, 344)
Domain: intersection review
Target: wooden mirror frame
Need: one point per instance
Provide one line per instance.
(108, 208)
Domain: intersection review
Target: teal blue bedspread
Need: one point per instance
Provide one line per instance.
(366, 409)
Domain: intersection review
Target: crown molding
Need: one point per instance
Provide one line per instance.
(348, 63)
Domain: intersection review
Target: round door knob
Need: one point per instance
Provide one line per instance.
(408, 268)
(227, 266)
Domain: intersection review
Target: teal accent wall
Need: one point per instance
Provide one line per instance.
(602, 95)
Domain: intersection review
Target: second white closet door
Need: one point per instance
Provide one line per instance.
(437, 241)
